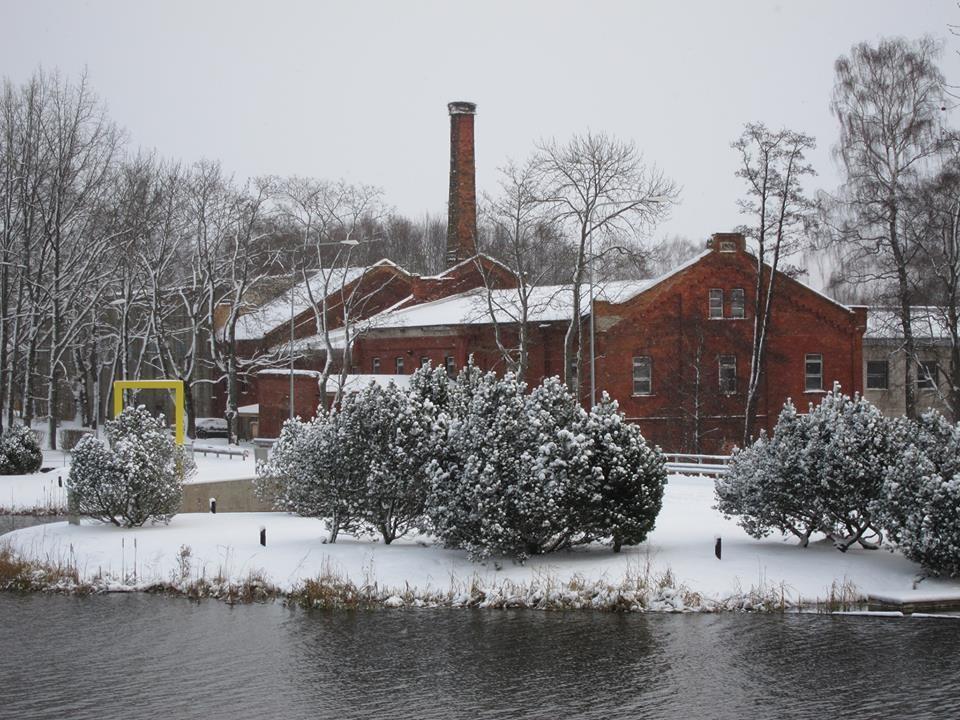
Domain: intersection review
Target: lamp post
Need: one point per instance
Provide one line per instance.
(344, 243)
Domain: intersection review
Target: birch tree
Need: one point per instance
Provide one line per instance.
(773, 166)
(887, 99)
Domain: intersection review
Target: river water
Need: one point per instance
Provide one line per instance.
(125, 656)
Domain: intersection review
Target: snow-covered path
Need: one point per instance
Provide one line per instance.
(227, 545)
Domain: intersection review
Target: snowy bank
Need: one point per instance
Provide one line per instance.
(674, 570)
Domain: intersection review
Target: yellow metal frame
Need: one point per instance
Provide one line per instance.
(176, 385)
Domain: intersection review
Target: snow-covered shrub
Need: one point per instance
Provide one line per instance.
(769, 485)
(522, 474)
(920, 509)
(313, 471)
(20, 452)
(138, 477)
(822, 471)
(848, 453)
(396, 445)
(626, 478)
(474, 501)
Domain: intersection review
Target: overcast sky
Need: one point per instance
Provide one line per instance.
(359, 89)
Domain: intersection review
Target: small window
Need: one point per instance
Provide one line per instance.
(927, 375)
(399, 365)
(642, 375)
(376, 366)
(878, 375)
(737, 309)
(450, 364)
(813, 372)
(716, 303)
(424, 362)
(728, 374)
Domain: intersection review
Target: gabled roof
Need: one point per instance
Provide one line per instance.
(271, 315)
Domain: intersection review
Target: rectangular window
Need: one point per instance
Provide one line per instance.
(728, 374)
(813, 372)
(376, 366)
(450, 364)
(642, 375)
(927, 375)
(716, 303)
(424, 362)
(878, 375)
(737, 303)
(399, 365)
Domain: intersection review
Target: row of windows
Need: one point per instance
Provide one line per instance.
(878, 374)
(737, 304)
(399, 364)
(726, 374)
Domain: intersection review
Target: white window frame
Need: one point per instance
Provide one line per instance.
(807, 375)
(398, 364)
(643, 373)
(715, 304)
(735, 306)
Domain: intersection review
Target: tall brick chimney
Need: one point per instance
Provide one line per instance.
(462, 209)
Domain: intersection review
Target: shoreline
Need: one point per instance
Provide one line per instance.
(331, 591)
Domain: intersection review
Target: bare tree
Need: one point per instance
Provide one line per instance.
(888, 101)
(600, 191)
(333, 219)
(522, 235)
(233, 228)
(934, 231)
(773, 165)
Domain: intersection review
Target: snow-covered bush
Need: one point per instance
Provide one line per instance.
(397, 444)
(626, 478)
(138, 477)
(920, 509)
(522, 474)
(475, 484)
(20, 452)
(849, 451)
(769, 485)
(823, 471)
(311, 473)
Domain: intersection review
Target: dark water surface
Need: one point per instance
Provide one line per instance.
(130, 656)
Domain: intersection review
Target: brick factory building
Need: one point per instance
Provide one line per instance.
(674, 351)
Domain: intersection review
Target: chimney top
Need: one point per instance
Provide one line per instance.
(727, 242)
(461, 107)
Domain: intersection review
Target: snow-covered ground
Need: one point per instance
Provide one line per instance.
(42, 492)
(227, 546)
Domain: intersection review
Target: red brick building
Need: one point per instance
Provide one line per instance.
(674, 351)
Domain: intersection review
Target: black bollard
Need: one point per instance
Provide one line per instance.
(213, 506)
(59, 481)
(263, 536)
(718, 548)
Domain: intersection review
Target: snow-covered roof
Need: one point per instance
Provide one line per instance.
(271, 315)
(928, 323)
(351, 383)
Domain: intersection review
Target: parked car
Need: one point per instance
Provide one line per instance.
(212, 427)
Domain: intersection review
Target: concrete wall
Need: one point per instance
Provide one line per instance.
(892, 401)
(231, 495)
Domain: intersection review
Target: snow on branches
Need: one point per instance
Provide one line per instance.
(476, 460)
(20, 452)
(138, 477)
